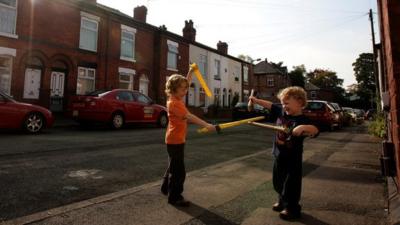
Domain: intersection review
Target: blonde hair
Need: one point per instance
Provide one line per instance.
(174, 82)
(295, 92)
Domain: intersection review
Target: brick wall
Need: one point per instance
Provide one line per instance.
(389, 12)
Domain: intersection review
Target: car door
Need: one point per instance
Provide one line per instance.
(10, 115)
(128, 104)
(147, 110)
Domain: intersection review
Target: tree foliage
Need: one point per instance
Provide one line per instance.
(327, 79)
(297, 75)
(363, 69)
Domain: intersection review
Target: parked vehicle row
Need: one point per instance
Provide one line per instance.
(326, 115)
(113, 107)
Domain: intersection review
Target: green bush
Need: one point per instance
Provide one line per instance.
(377, 126)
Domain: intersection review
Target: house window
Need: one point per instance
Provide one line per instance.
(89, 30)
(217, 64)
(8, 17)
(126, 78)
(5, 74)
(245, 74)
(270, 82)
(172, 63)
(86, 80)
(236, 73)
(128, 43)
(203, 65)
(313, 94)
(125, 81)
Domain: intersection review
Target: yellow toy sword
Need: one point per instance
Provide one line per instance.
(222, 126)
(203, 84)
(270, 126)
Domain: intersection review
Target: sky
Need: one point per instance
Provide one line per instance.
(325, 34)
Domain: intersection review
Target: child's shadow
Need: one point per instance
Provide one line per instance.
(310, 220)
(205, 216)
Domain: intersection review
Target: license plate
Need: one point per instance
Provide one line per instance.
(75, 113)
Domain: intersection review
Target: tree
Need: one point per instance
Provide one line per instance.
(297, 77)
(327, 79)
(363, 69)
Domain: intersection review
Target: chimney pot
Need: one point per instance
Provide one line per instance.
(189, 32)
(140, 13)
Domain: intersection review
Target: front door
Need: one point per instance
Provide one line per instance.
(57, 91)
(32, 83)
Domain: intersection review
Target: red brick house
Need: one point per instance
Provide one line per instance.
(268, 79)
(389, 58)
(317, 93)
(86, 47)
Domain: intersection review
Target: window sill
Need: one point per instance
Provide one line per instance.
(171, 69)
(89, 50)
(127, 59)
(9, 35)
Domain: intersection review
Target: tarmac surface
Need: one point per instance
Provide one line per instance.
(342, 184)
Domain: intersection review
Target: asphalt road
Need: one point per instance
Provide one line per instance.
(66, 165)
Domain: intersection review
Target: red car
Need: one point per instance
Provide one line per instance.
(322, 114)
(116, 107)
(17, 115)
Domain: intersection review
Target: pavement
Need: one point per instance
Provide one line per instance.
(342, 184)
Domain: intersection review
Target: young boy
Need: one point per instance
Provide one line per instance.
(176, 89)
(288, 148)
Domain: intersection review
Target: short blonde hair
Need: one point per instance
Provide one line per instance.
(295, 92)
(174, 82)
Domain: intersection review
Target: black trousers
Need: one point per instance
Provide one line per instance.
(176, 170)
(287, 177)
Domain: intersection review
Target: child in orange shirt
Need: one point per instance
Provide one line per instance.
(178, 115)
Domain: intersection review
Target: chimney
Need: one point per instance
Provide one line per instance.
(188, 31)
(139, 13)
(222, 47)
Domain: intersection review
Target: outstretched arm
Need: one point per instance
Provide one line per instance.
(196, 120)
(265, 103)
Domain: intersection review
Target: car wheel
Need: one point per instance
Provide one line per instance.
(34, 123)
(162, 120)
(117, 121)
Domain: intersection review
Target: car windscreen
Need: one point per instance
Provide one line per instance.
(315, 106)
(241, 105)
(97, 93)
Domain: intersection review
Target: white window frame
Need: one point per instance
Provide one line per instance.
(172, 45)
(13, 34)
(132, 31)
(8, 88)
(270, 82)
(126, 72)
(86, 77)
(203, 64)
(313, 94)
(245, 74)
(90, 18)
(217, 64)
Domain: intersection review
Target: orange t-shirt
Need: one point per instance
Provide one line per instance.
(176, 130)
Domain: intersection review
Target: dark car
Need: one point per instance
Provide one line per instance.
(338, 113)
(116, 107)
(370, 114)
(17, 115)
(322, 114)
(240, 111)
